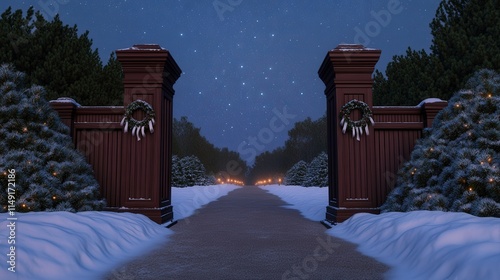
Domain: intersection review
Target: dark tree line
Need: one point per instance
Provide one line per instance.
(219, 162)
(466, 38)
(306, 140)
(55, 56)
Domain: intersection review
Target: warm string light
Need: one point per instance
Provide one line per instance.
(25, 129)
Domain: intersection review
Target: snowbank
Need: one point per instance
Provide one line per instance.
(310, 201)
(64, 245)
(187, 200)
(417, 245)
(428, 244)
(87, 245)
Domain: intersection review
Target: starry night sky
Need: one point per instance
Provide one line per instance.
(245, 60)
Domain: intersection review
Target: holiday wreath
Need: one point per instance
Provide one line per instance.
(138, 126)
(358, 126)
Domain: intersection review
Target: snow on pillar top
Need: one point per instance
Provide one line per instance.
(349, 63)
(147, 66)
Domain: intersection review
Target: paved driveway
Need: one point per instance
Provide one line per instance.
(248, 235)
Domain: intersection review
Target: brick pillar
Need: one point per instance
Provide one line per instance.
(149, 75)
(347, 73)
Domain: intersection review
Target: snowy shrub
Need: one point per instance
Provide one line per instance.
(296, 175)
(178, 179)
(189, 171)
(317, 172)
(50, 175)
(456, 165)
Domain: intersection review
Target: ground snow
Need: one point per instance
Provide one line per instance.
(187, 200)
(310, 201)
(87, 245)
(417, 245)
(428, 244)
(64, 245)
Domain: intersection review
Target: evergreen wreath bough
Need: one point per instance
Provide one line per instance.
(358, 126)
(138, 126)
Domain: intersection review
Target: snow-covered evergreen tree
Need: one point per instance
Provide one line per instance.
(296, 174)
(50, 173)
(178, 179)
(210, 180)
(317, 172)
(194, 171)
(456, 165)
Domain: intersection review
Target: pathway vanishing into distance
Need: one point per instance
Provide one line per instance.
(248, 235)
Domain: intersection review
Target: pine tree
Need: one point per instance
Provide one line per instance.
(194, 171)
(178, 179)
(410, 79)
(456, 166)
(51, 174)
(296, 175)
(317, 172)
(53, 55)
(465, 39)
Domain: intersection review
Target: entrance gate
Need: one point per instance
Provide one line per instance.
(135, 175)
